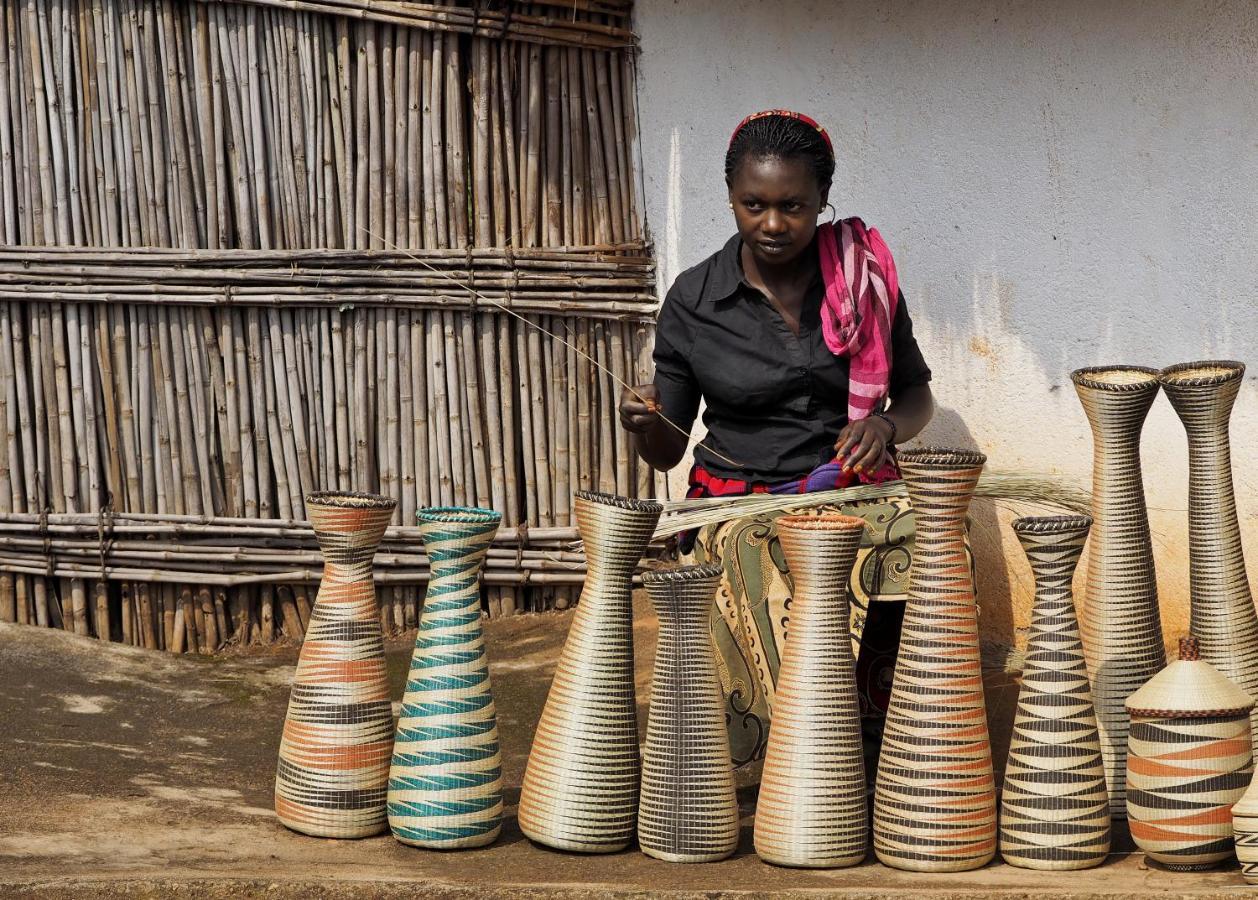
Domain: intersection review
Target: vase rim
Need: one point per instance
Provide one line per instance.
(1062, 524)
(942, 457)
(1201, 373)
(350, 500)
(820, 522)
(650, 506)
(1120, 378)
(467, 515)
(682, 573)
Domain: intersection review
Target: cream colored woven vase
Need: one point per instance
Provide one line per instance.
(812, 808)
(1054, 806)
(688, 811)
(1122, 630)
(580, 787)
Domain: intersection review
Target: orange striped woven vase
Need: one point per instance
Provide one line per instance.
(1122, 630)
(935, 795)
(689, 812)
(580, 788)
(1189, 760)
(1223, 617)
(338, 735)
(1054, 809)
(812, 809)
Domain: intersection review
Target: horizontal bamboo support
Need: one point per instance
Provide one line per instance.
(479, 22)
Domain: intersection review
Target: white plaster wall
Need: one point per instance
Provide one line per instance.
(1063, 184)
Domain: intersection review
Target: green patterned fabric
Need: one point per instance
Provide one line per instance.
(752, 610)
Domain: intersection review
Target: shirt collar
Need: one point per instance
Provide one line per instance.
(727, 275)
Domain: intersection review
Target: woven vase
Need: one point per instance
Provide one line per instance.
(813, 810)
(1190, 759)
(580, 787)
(1122, 631)
(1054, 811)
(1245, 832)
(935, 795)
(445, 784)
(1223, 617)
(688, 812)
(334, 755)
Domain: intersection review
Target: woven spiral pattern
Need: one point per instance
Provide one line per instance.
(334, 754)
(1122, 631)
(1054, 810)
(1183, 776)
(445, 784)
(935, 796)
(688, 811)
(812, 809)
(580, 787)
(1245, 832)
(1223, 617)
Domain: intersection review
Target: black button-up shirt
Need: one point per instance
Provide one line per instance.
(774, 402)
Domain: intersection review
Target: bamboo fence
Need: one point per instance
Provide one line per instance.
(250, 250)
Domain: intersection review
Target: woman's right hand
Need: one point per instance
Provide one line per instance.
(640, 408)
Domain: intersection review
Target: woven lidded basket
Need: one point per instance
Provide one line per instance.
(1189, 761)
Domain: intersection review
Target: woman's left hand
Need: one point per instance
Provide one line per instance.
(862, 445)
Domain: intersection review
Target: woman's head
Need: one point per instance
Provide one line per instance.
(778, 170)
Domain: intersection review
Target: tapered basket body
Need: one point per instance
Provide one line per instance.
(580, 789)
(1054, 811)
(1190, 759)
(1223, 617)
(1245, 832)
(1122, 630)
(688, 810)
(935, 795)
(334, 754)
(812, 810)
(445, 782)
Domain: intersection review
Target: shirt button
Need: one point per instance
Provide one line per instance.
(803, 371)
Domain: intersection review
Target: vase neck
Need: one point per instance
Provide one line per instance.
(1053, 559)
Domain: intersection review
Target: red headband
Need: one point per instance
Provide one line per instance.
(789, 115)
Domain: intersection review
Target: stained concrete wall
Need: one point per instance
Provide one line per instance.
(1063, 184)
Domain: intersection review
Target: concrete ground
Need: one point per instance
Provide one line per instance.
(128, 773)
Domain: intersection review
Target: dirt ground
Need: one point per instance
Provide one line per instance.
(129, 773)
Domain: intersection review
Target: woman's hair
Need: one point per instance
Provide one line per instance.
(781, 137)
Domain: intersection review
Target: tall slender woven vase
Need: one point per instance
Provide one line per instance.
(1054, 811)
(1223, 617)
(1190, 760)
(689, 812)
(334, 755)
(935, 795)
(580, 787)
(445, 784)
(1122, 631)
(812, 810)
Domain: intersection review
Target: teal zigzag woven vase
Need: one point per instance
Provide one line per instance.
(445, 784)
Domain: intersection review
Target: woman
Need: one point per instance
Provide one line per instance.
(797, 339)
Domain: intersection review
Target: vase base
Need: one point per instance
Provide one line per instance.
(934, 865)
(573, 845)
(688, 857)
(1050, 865)
(356, 832)
(454, 845)
(801, 862)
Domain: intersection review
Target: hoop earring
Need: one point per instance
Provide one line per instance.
(834, 213)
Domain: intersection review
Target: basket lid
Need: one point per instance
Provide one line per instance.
(1189, 688)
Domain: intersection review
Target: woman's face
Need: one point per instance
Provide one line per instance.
(776, 203)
